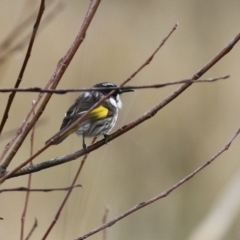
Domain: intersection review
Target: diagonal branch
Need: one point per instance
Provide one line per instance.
(25, 62)
(161, 195)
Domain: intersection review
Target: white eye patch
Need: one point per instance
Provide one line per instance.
(113, 101)
(116, 103)
(119, 102)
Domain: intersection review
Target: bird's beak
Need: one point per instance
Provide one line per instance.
(126, 90)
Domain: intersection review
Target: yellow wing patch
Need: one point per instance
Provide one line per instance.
(100, 112)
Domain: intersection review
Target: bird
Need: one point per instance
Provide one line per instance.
(100, 121)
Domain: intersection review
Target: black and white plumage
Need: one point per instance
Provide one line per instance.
(100, 120)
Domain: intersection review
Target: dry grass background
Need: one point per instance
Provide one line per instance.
(151, 157)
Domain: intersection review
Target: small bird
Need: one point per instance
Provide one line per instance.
(100, 120)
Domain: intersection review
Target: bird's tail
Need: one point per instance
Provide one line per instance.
(60, 139)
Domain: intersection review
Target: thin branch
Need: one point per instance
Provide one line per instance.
(58, 73)
(25, 62)
(136, 122)
(67, 195)
(29, 181)
(161, 195)
(148, 61)
(24, 189)
(67, 90)
(32, 230)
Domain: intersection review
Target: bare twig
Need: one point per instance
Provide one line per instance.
(67, 195)
(61, 68)
(136, 122)
(161, 195)
(24, 189)
(67, 90)
(151, 57)
(33, 228)
(25, 62)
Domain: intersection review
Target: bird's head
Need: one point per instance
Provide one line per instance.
(115, 98)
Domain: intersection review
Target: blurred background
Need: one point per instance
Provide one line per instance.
(151, 157)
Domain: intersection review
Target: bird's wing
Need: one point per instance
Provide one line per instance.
(81, 105)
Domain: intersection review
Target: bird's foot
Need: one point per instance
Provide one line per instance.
(106, 138)
(85, 147)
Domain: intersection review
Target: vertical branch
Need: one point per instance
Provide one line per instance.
(67, 195)
(28, 185)
(25, 62)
